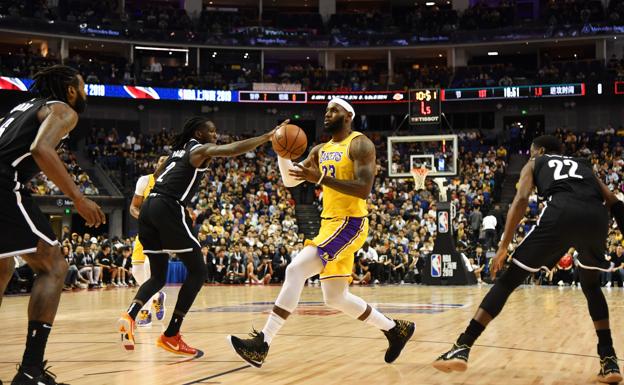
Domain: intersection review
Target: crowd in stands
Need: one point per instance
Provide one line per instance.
(41, 185)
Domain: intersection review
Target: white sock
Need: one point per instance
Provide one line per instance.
(380, 321)
(273, 324)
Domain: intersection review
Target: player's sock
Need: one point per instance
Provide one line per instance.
(174, 325)
(604, 339)
(134, 309)
(273, 324)
(473, 331)
(36, 341)
(379, 320)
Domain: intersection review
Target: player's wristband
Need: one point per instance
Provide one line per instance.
(321, 178)
(617, 211)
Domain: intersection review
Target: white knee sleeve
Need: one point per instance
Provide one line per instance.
(305, 265)
(336, 295)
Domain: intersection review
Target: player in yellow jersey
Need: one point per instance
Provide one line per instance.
(140, 264)
(345, 167)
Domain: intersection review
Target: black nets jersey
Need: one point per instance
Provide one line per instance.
(556, 173)
(179, 179)
(18, 131)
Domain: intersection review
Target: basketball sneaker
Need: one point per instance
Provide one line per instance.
(36, 376)
(253, 350)
(144, 319)
(609, 369)
(455, 359)
(176, 345)
(126, 327)
(397, 338)
(158, 305)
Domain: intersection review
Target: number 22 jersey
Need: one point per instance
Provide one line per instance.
(556, 174)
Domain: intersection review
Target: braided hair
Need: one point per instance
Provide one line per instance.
(188, 131)
(52, 82)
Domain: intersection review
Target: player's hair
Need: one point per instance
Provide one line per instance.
(188, 131)
(52, 82)
(551, 144)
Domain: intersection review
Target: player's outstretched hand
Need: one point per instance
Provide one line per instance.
(90, 211)
(269, 135)
(300, 172)
(498, 262)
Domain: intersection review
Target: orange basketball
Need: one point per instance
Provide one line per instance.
(290, 141)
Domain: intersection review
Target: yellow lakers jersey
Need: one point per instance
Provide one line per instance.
(150, 185)
(334, 161)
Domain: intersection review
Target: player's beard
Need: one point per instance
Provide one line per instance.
(335, 125)
(80, 104)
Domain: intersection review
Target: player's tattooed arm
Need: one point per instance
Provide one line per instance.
(57, 120)
(362, 151)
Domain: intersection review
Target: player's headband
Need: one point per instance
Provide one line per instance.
(343, 104)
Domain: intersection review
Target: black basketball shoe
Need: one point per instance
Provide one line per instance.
(253, 350)
(36, 376)
(455, 359)
(397, 338)
(609, 369)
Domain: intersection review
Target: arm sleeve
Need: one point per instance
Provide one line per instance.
(141, 185)
(284, 166)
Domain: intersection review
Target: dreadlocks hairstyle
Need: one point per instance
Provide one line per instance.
(188, 131)
(52, 82)
(551, 144)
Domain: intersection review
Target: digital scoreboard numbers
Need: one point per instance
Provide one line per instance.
(424, 106)
(272, 97)
(513, 92)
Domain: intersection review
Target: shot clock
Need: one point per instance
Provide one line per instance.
(424, 107)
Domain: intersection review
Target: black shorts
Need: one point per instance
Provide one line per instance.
(565, 222)
(22, 224)
(165, 227)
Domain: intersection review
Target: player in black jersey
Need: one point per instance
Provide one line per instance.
(575, 214)
(165, 227)
(29, 136)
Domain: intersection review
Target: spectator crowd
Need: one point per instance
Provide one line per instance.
(41, 185)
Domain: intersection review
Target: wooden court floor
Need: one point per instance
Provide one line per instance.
(543, 336)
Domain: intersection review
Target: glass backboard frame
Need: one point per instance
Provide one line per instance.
(424, 138)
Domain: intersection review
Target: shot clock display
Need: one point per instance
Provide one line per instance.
(424, 107)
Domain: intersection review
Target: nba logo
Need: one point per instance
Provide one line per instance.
(443, 224)
(436, 265)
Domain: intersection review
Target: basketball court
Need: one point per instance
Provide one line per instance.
(543, 336)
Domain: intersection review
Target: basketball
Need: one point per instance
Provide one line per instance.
(289, 141)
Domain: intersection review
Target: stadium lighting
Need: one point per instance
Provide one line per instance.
(493, 53)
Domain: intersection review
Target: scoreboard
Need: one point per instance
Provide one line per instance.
(513, 92)
(424, 106)
(272, 97)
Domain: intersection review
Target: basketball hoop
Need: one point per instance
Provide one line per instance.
(419, 174)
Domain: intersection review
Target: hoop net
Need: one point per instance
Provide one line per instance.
(419, 174)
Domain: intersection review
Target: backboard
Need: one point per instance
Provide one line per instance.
(436, 152)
